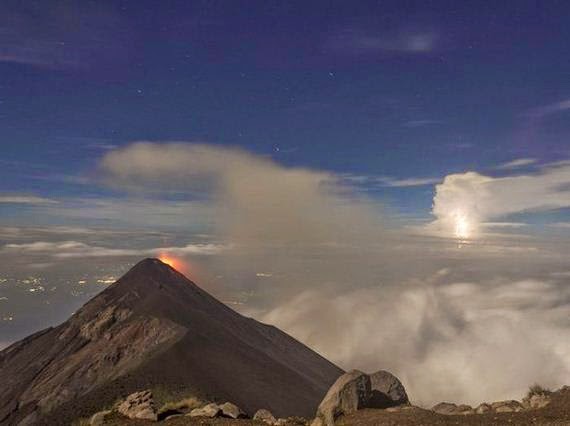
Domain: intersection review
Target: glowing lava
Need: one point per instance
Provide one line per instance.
(173, 262)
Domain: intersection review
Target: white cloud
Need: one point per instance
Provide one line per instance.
(25, 199)
(515, 164)
(400, 183)
(251, 198)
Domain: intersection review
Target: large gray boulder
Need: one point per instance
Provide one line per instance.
(387, 390)
(350, 392)
(139, 405)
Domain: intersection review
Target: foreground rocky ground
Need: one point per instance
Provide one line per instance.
(556, 413)
(355, 398)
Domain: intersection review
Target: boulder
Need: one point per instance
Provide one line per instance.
(350, 392)
(232, 411)
(509, 406)
(446, 408)
(265, 416)
(98, 419)
(210, 410)
(139, 405)
(483, 408)
(387, 390)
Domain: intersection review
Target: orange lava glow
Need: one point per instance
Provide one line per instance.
(173, 262)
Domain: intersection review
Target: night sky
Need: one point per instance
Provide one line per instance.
(398, 89)
(387, 161)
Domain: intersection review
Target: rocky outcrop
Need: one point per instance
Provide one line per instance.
(139, 405)
(356, 390)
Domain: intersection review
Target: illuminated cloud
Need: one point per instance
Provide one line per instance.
(478, 198)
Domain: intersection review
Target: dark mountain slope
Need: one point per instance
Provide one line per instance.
(154, 328)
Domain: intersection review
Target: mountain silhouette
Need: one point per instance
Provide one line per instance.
(154, 328)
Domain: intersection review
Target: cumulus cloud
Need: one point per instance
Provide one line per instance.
(475, 198)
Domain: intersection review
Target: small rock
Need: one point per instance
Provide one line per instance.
(210, 410)
(387, 390)
(98, 419)
(265, 416)
(483, 408)
(509, 406)
(139, 405)
(232, 411)
(446, 408)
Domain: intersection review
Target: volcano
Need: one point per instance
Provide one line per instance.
(156, 329)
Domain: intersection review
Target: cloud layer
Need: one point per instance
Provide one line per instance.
(453, 341)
